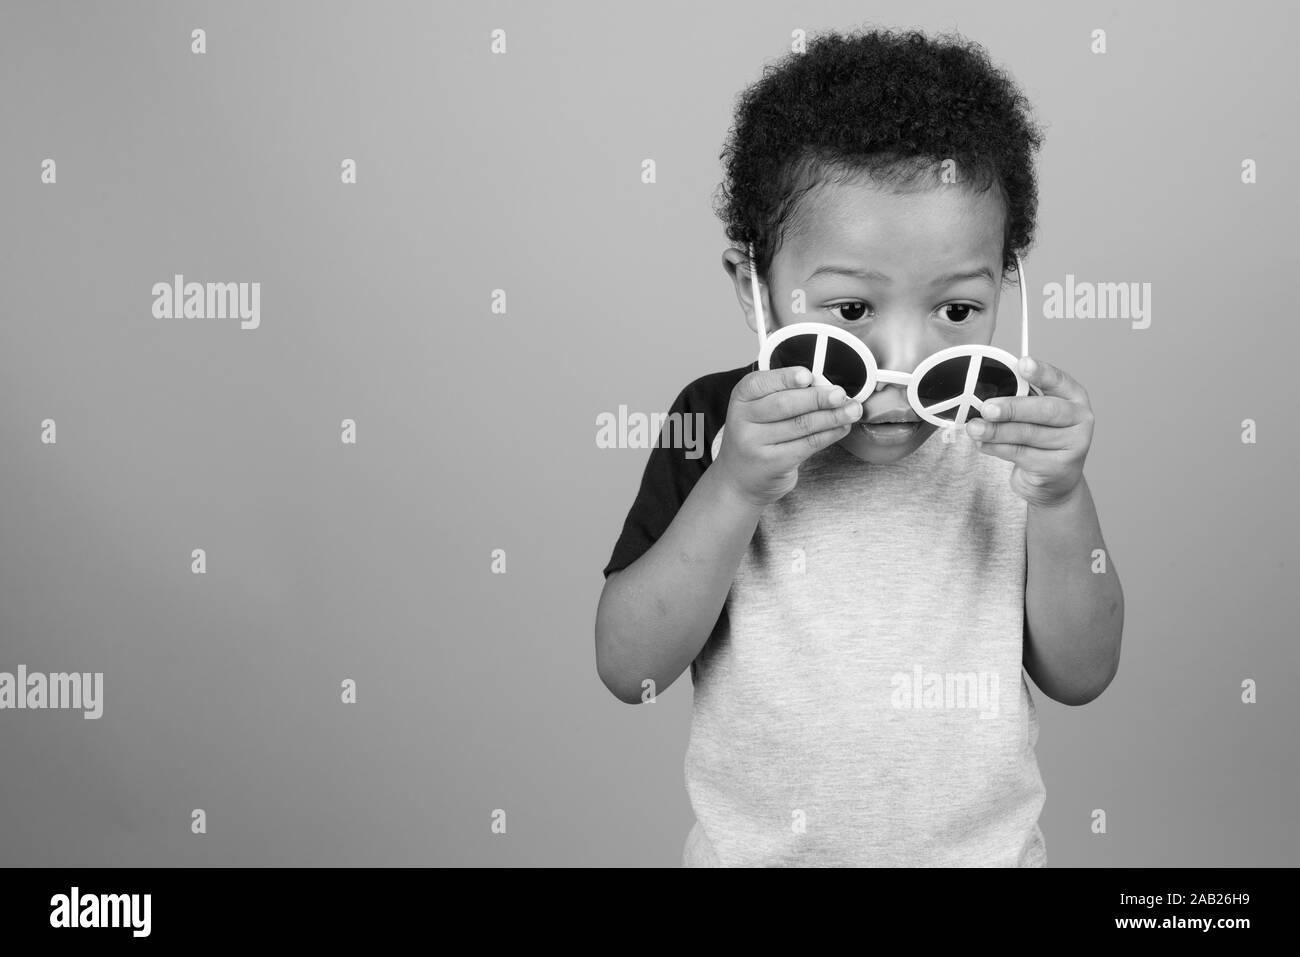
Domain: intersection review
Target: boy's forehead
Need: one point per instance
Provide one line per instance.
(851, 224)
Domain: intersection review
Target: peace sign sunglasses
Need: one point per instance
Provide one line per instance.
(945, 389)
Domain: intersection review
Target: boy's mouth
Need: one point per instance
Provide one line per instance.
(889, 428)
(899, 414)
(892, 427)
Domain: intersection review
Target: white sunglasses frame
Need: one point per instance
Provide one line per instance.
(875, 375)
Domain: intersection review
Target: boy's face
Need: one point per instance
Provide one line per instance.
(908, 304)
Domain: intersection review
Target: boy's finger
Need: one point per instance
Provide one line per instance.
(1027, 458)
(1041, 409)
(1021, 433)
(766, 381)
(791, 403)
(1051, 380)
(805, 445)
(810, 423)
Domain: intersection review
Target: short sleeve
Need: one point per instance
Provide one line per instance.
(674, 465)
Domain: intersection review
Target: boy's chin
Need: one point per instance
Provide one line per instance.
(864, 447)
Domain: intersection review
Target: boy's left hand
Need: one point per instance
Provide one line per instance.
(1047, 436)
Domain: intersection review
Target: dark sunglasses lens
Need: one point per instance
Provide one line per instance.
(842, 367)
(947, 381)
(943, 382)
(795, 351)
(995, 380)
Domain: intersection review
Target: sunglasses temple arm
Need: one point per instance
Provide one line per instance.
(1024, 309)
(1024, 317)
(758, 301)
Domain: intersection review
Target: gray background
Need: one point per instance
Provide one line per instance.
(476, 431)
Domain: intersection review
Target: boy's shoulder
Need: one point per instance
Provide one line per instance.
(684, 449)
(712, 391)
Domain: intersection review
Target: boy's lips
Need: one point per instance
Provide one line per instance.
(890, 433)
(905, 416)
(891, 426)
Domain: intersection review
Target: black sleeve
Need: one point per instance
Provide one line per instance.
(671, 473)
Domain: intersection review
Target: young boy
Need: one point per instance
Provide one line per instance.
(855, 600)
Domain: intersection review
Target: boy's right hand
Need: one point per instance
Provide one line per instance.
(775, 420)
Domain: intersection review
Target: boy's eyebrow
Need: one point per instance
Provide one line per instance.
(980, 272)
(849, 271)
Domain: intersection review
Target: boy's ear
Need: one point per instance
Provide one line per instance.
(736, 264)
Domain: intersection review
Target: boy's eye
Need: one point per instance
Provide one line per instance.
(963, 311)
(850, 311)
(955, 312)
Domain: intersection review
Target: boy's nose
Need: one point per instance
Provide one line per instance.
(899, 350)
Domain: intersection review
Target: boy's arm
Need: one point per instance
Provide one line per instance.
(656, 614)
(691, 523)
(1074, 617)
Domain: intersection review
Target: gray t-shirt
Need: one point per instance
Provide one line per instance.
(861, 701)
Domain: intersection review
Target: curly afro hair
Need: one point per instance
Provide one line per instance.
(883, 106)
